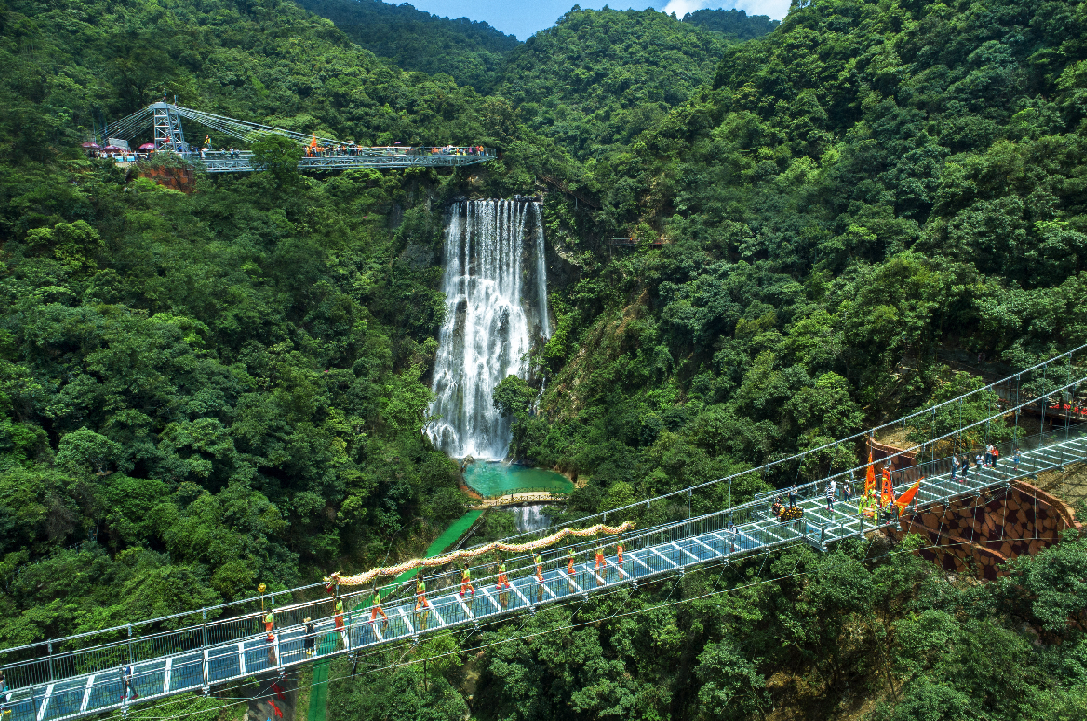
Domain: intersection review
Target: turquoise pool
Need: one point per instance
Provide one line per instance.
(491, 478)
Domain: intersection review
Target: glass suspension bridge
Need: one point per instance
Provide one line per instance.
(192, 652)
(163, 120)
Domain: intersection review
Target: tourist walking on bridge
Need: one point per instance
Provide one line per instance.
(619, 554)
(308, 636)
(375, 609)
(503, 581)
(600, 561)
(466, 581)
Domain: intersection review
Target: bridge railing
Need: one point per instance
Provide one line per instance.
(40, 663)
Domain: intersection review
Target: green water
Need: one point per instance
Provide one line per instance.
(495, 479)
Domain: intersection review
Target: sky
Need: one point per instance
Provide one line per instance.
(520, 18)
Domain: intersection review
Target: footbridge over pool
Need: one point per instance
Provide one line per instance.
(688, 528)
(161, 122)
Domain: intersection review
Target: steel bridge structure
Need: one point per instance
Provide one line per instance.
(191, 652)
(164, 122)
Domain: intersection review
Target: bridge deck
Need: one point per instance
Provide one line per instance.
(89, 681)
(242, 161)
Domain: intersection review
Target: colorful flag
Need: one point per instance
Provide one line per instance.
(906, 498)
(887, 494)
(870, 476)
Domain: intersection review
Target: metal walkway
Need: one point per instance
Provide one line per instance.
(80, 675)
(163, 122)
(90, 681)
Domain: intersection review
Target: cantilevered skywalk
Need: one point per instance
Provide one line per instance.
(162, 122)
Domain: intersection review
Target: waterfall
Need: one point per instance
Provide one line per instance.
(529, 518)
(495, 286)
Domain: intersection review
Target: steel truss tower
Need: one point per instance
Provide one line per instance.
(167, 128)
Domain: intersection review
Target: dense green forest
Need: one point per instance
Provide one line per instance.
(734, 23)
(200, 392)
(597, 79)
(473, 53)
(226, 387)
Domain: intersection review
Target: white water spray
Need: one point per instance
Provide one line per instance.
(495, 287)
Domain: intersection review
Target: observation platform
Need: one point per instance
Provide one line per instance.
(387, 158)
(162, 121)
(81, 675)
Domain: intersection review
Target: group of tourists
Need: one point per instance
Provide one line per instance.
(314, 150)
(990, 458)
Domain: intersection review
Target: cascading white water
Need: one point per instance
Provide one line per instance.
(492, 318)
(529, 518)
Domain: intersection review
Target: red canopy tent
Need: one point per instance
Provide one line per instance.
(147, 146)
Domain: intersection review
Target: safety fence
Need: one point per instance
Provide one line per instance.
(82, 674)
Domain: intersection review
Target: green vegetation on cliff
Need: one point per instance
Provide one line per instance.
(201, 392)
(473, 53)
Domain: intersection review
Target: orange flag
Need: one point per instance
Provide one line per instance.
(887, 496)
(907, 497)
(869, 477)
(313, 144)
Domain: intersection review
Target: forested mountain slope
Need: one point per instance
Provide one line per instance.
(221, 388)
(598, 78)
(473, 53)
(202, 392)
(734, 23)
(861, 191)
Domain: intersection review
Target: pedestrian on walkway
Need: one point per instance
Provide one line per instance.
(420, 595)
(996, 455)
(619, 554)
(1015, 460)
(502, 580)
(466, 581)
(830, 497)
(128, 691)
(792, 496)
(376, 610)
(538, 560)
(570, 561)
(954, 466)
(308, 637)
(337, 609)
(965, 468)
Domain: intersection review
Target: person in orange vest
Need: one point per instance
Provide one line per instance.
(420, 595)
(375, 609)
(599, 552)
(338, 615)
(466, 581)
(619, 553)
(502, 580)
(269, 622)
(538, 560)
